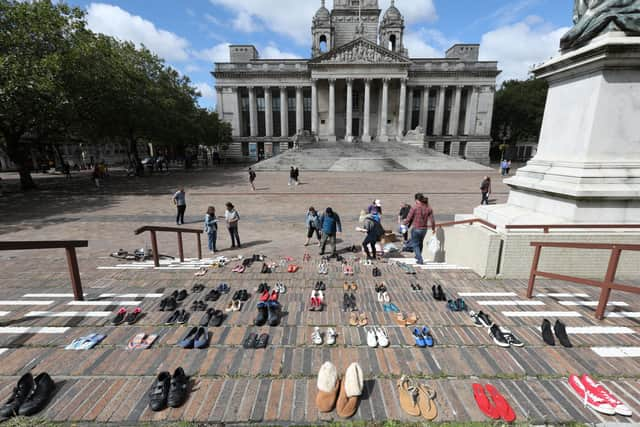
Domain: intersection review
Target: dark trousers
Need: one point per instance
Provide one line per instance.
(213, 235)
(417, 240)
(331, 238)
(312, 230)
(485, 198)
(369, 241)
(180, 216)
(235, 237)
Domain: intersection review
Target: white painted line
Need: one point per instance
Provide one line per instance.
(594, 330)
(541, 314)
(623, 314)
(487, 294)
(592, 303)
(48, 295)
(561, 295)
(68, 314)
(617, 351)
(32, 330)
(33, 302)
(130, 296)
(4, 313)
(497, 303)
(102, 303)
(3, 350)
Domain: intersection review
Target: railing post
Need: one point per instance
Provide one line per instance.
(605, 291)
(154, 248)
(546, 230)
(199, 246)
(180, 249)
(534, 269)
(74, 274)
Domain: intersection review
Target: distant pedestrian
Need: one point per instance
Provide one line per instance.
(96, 176)
(292, 176)
(66, 169)
(232, 217)
(503, 167)
(313, 225)
(211, 228)
(252, 178)
(180, 200)
(419, 218)
(402, 215)
(296, 177)
(508, 167)
(331, 226)
(485, 188)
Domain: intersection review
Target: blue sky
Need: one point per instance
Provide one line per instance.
(193, 34)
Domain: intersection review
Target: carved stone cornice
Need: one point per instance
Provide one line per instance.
(358, 52)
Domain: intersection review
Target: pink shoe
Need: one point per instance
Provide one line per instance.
(589, 399)
(600, 391)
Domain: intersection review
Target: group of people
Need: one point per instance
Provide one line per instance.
(294, 175)
(505, 167)
(325, 226)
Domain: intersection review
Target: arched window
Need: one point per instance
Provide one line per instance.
(323, 43)
(392, 42)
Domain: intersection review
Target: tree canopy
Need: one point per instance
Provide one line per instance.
(59, 79)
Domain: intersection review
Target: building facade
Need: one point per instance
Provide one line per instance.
(359, 84)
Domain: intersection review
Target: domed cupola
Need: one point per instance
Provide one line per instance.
(392, 30)
(392, 15)
(321, 31)
(322, 16)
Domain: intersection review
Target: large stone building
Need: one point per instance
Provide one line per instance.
(360, 83)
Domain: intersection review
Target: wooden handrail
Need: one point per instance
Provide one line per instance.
(606, 286)
(547, 227)
(154, 240)
(468, 221)
(70, 248)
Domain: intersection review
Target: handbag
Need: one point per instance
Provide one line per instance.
(433, 245)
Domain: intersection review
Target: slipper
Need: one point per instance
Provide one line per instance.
(408, 395)
(201, 272)
(136, 341)
(328, 387)
(483, 402)
(353, 319)
(91, 341)
(412, 319)
(426, 402)
(148, 342)
(250, 341)
(504, 409)
(363, 321)
(401, 319)
(350, 391)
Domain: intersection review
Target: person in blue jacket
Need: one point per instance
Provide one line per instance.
(330, 226)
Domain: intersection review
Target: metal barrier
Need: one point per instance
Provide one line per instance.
(548, 227)
(468, 221)
(69, 247)
(154, 241)
(606, 286)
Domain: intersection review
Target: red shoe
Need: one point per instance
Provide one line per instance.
(274, 296)
(589, 399)
(505, 411)
(483, 402)
(600, 391)
(314, 303)
(265, 296)
(290, 268)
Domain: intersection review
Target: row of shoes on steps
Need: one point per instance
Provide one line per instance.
(30, 396)
(169, 390)
(342, 394)
(501, 336)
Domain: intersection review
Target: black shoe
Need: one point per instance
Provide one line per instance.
(179, 389)
(498, 336)
(435, 294)
(197, 288)
(184, 317)
(119, 317)
(171, 305)
(263, 314)
(346, 302)
(160, 392)
(511, 339)
(173, 318)
(250, 341)
(418, 287)
(413, 288)
(213, 295)
(476, 319)
(18, 397)
(236, 296)
(39, 396)
(274, 314)
(217, 318)
(323, 287)
(262, 341)
(352, 297)
(244, 295)
(182, 295)
(163, 304)
(441, 295)
(561, 332)
(547, 335)
(484, 320)
(206, 317)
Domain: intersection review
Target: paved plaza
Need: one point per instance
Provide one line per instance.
(277, 385)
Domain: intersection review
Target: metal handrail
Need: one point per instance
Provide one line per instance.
(70, 248)
(468, 221)
(547, 227)
(154, 240)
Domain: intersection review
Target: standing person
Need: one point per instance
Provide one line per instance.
(508, 167)
(485, 188)
(292, 176)
(96, 176)
(211, 228)
(331, 226)
(296, 176)
(232, 217)
(66, 169)
(419, 217)
(375, 207)
(402, 215)
(503, 167)
(313, 225)
(180, 200)
(252, 178)
(374, 231)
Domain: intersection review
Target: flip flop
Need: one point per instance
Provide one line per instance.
(483, 402)
(91, 341)
(412, 319)
(353, 319)
(75, 344)
(136, 341)
(408, 395)
(201, 272)
(426, 402)
(148, 342)
(401, 319)
(504, 409)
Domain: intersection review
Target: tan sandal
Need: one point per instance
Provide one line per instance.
(354, 286)
(401, 319)
(353, 319)
(409, 397)
(346, 286)
(364, 321)
(426, 402)
(412, 319)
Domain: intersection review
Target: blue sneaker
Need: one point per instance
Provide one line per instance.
(426, 335)
(420, 341)
(201, 339)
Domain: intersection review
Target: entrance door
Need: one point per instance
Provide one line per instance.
(355, 126)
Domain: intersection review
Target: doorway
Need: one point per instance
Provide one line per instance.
(355, 126)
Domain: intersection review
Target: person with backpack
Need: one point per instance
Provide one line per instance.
(374, 231)
(252, 178)
(330, 226)
(232, 217)
(211, 228)
(485, 189)
(419, 218)
(313, 225)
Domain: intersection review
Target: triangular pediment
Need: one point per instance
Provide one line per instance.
(360, 51)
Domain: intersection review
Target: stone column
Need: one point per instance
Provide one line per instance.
(454, 120)
(349, 133)
(472, 111)
(409, 117)
(332, 110)
(284, 112)
(314, 106)
(268, 112)
(402, 110)
(385, 111)
(219, 107)
(237, 130)
(366, 137)
(253, 112)
(439, 119)
(424, 110)
(299, 110)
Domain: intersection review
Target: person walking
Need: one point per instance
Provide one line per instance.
(211, 228)
(232, 217)
(402, 215)
(503, 167)
(252, 178)
(296, 176)
(374, 231)
(313, 225)
(508, 167)
(292, 176)
(375, 207)
(331, 226)
(485, 188)
(419, 218)
(180, 200)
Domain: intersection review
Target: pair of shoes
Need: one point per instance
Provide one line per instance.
(197, 288)
(235, 305)
(403, 320)
(168, 390)
(262, 287)
(256, 341)
(560, 330)
(241, 295)
(383, 296)
(438, 293)
(141, 341)
(168, 304)
(223, 288)
(320, 286)
(377, 337)
(29, 396)
(316, 301)
(238, 269)
(86, 343)
(423, 337)
(347, 270)
(343, 395)
(457, 305)
(201, 272)
(500, 407)
(292, 268)
(268, 313)
(180, 296)
(349, 302)
(316, 336)
(480, 319)
(306, 257)
(355, 320)
(197, 337)
(266, 296)
(351, 286)
(280, 288)
(417, 400)
(323, 268)
(213, 295)
(416, 287)
(376, 272)
(198, 305)
(597, 397)
(212, 317)
(504, 337)
(390, 307)
(179, 316)
(265, 268)
(124, 316)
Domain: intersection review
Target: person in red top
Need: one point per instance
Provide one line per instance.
(419, 218)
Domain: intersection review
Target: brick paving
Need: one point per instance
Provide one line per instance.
(277, 385)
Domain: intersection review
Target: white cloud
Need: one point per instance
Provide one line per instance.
(193, 68)
(273, 52)
(427, 43)
(244, 22)
(217, 53)
(414, 11)
(116, 22)
(517, 47)
(207, 92)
